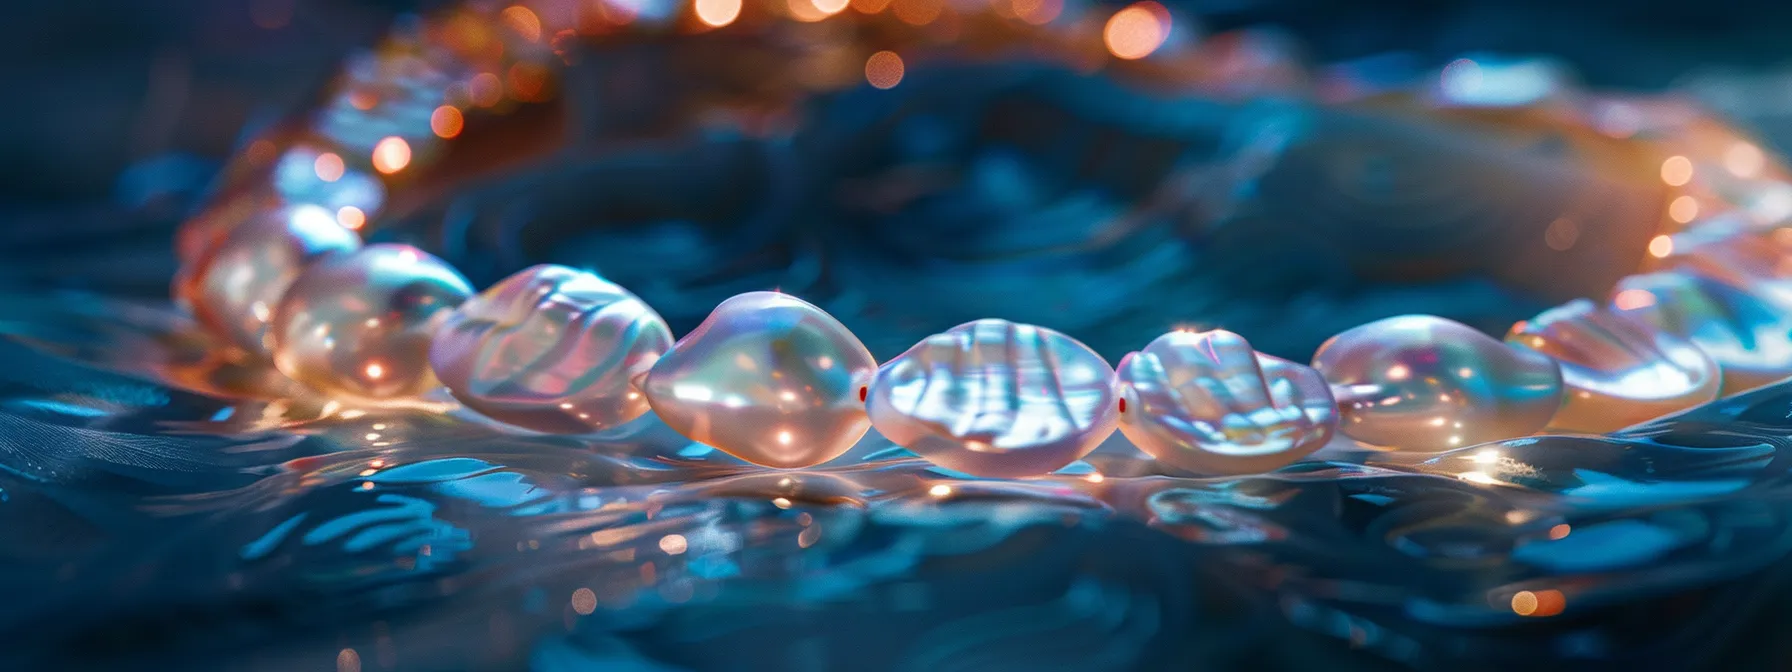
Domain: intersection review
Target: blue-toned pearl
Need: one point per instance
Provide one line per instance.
(1207, 403)
(1617, 372)
(767, 378)
(552, 349)
(1749, 336)
(1427, 384)
(358, 325)
(994, 398)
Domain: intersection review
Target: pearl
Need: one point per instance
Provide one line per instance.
(1427, 384)
(291, 179)
(1617, 372)
(1741, 330)
(233, 290)
(997, 399)
(1207, 403)
(551, 349)
(767, 378)
(359, 324)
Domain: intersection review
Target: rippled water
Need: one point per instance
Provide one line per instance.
(154, 524)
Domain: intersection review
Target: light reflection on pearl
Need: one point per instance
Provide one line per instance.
(995, 398)
(320, 331)
(231, 288)
(725, 384)
(1616, 371)
(1207, 403)
(551, 348)
(1395, 375)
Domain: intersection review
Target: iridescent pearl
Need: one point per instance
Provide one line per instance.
(1748, 336)
(994, 398)
(551, 349)
(1726, 251)
(1617, 372)
(1206, 403)
(233, 290)
(1427, 384)
(295, 178)
(767, 378)
(359, 324)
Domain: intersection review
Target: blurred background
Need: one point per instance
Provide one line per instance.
(120, 114)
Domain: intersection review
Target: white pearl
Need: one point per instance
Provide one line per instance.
(1206, 403)
(767, 378)
(994, 398)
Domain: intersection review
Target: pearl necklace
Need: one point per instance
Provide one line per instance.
(273, 266)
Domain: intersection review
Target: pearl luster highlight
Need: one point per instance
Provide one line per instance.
(767, 378)
(552, 349)
(1427, 384)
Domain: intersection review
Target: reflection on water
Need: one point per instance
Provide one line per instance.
(181, 524)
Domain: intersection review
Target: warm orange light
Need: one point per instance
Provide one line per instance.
(328, 167)
(1683, 209)
(528, 81)
(1560, 531)
(485, 89)
(717, 13)
(523, 21)
(917, 12)
(1038, 12)
(673, 544)
(1632, 299)
(884, 69)
(446, 121)
(1744, 160)
(391, 155)
(1138, 30)
(1661, 246)
(363, 100)
(351, 217)
(830, 7)
(375, 371)
(1538, 604)
(870, 6)
(1676, 171)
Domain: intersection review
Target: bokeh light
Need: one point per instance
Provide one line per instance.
(328, 166)
(884, 69)
(391, 155)
(1136, 31)
(717, 13)
(446, 121)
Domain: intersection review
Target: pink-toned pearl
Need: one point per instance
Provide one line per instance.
(234, 289)
(552, 349)
(767, 378)
(359, 324)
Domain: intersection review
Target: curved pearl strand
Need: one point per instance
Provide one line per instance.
(272, 267)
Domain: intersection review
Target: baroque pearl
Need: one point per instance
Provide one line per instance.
(552, 349)
(1742, 331)
(767, 378)
(359, 324)
(1616, 371)
(233, 290)
(1207, 403)
(1427, 384)
(994, 398)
